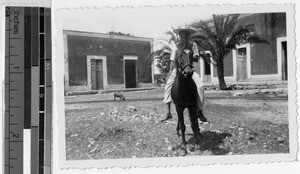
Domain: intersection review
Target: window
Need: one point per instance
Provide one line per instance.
(242, 54)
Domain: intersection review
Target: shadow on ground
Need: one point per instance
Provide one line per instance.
(211, 141)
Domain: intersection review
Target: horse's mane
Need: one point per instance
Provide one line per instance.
(180, 53)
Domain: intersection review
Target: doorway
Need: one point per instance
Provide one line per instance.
(207, 72)
(241, 63)
(97, 74)
(130, 73)
(284, 60)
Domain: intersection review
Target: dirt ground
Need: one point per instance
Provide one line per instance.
(241, 121)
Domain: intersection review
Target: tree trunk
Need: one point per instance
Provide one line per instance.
(220, 71)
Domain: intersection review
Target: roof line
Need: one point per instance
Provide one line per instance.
(108, 36)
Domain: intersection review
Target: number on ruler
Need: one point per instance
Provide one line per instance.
(47, 66)
(16, 135)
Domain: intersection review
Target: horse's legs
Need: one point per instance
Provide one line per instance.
(194, 123)
(178, 127)
(181, 123)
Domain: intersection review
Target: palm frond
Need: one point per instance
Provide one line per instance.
(244, 34)
(173, 37)
(160, 53)
(256, 39)
(231, 23)
(166, 46)
(151, 57)
(218, 23)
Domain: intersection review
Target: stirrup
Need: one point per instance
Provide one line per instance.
(169, 116)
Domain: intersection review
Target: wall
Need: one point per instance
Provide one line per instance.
(114, 49)
(269, 26)
(228, 65)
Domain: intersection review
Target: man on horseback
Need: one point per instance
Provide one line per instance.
(182, 46)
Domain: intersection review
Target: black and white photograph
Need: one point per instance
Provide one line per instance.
(175, 85)
(160, 86)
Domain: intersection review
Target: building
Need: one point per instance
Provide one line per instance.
(95, 61)
(255, 62)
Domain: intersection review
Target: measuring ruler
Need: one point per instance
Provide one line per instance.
(28, 89)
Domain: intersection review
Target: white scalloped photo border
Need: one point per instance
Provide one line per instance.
(173, 161)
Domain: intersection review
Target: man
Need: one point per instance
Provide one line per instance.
(182, 45)
(156, 70)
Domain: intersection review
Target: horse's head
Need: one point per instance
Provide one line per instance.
(184, 63)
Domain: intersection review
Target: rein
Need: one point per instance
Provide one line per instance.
(184, 60)
(188, 64)
(180, 70)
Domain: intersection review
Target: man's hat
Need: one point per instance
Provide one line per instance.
(178, 30)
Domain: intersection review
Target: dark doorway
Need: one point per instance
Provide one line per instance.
(97, 74)
(284, 61)
(130, 73)
(207, 72)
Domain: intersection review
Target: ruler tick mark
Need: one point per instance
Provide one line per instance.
(15, 106)
(17, 72)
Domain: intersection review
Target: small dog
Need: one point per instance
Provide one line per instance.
(120, 96)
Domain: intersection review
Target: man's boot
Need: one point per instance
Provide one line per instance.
(169, 116)
(202, 118)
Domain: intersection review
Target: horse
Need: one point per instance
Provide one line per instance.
(184, 95)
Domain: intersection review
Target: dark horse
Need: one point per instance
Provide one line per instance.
(184, 95)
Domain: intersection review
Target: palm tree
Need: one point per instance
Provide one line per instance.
(167, 45)
(220, 36)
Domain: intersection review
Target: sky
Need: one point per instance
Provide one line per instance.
(143, 22)
(151, 22)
